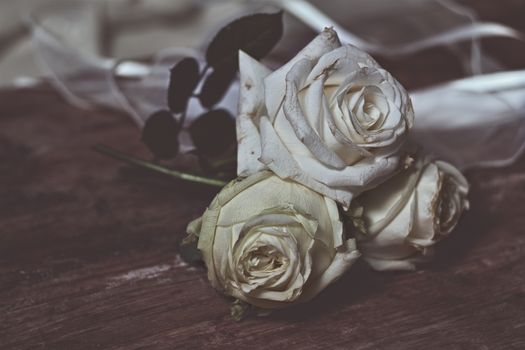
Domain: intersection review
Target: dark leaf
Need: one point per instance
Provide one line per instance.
(160, 134)
(213, 132)
(255, 34)
(184, 77)
(190, 253)
(216, 84)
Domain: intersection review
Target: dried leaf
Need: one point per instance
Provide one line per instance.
(189, 252)
(255, 34)
(160, 134)
(213, 132)
(216, 85)
(184, 77)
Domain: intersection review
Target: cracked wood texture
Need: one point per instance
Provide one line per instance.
(88, 261)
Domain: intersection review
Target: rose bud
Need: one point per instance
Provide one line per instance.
(405, 216)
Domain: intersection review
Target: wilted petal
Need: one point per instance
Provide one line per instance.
(275, 85)
(251, 105)
(344, 258)
(304, 132)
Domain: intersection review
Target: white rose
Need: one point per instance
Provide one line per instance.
(405, 216)
(271, 242)
(331, 119)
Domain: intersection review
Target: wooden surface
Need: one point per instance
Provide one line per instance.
(88, 261)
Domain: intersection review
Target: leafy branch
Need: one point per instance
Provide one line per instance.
(213, 132)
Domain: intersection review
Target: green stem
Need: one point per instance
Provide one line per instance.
(227, 161)
(157, 168)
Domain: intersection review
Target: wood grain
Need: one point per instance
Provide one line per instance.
(87, 254)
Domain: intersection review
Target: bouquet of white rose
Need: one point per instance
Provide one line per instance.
(327, 129)
(326, 151)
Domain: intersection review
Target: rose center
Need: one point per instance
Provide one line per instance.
(263, 259)
(371, 110)
(367, 105)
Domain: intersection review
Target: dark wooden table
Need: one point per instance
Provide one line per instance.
(88, 260)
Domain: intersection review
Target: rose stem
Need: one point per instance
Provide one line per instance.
(112, 153)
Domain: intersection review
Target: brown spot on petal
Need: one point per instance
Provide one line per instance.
(327, 70)
(331, 34)
(409, 160)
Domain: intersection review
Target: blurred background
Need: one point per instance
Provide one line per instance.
(138, 29)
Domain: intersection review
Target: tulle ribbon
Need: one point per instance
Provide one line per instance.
(471, 122)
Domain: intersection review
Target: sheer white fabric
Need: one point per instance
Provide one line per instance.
(476, 121)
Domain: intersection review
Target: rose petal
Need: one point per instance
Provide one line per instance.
(341, 62)
(343, 260)
(275, 85)
(251, 102)
(304, 132)
(278, 159)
